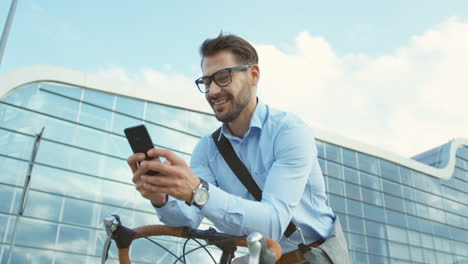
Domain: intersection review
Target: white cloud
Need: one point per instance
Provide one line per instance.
(407, 101)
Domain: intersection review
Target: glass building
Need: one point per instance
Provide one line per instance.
(58, 186)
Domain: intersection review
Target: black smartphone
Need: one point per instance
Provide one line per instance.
(140, 141)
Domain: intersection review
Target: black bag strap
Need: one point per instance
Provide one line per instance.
(239, 169)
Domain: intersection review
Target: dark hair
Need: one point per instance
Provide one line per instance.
(243, 50)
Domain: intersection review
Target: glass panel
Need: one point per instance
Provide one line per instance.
(92, 139)
(413, 238)
(370, 181)
(375, 229)
(396, 218)
(75, 239)
(23, 96)
(416, 254)
(397, 234)
(332, 153)
(372, 196)
(393, 202)
(130, 106)
(199, 124)
(357, 242)
(349, 158)
(29, 255)
(44, 206)
(368, 163)
(356, 224)
(79, 212)
(98, 98)
(427, 241)
(399, 251)
(70, 91)
(96, 117)
(36, 233)
(405, 175)
(392, 188)
(351, 175)
(15, 145)
(337, 203)
(12, 171)
(353, 191)
(121, 122)
(389, 170)
(374, 212)
(335, 186)
(354, 208)
(377, 246)
(7, 194)
(334, 170)
(50, 103)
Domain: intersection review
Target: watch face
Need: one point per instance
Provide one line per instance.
(201, 196)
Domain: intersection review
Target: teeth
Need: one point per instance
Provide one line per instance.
(220, 102)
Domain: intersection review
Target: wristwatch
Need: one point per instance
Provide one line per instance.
(200, 195)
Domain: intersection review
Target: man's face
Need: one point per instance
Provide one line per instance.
(227, 102)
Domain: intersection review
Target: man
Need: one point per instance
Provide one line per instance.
(277, 148)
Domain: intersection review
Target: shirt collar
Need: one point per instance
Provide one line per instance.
(257, 120)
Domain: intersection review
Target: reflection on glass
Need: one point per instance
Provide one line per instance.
(79, 212)
(15, 145)
(375, 229)
(43, 206)
(70, 91)
(349, 158)
(12, 171)
(23, 96)
(332, 153)
(334, 170)
(335, 186)
(75, 239)
(6, 192)
(337, 203)
(30, 255)
(130, 106)
(377, 246)
(389, 170)
(36, 233)
(95, 117)
(98, 98)
(368, 163)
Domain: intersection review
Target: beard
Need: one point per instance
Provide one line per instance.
(238, 105)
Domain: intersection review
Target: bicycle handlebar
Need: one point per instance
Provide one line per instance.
(163, 230)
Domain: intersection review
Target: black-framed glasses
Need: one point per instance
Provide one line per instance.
(222, 78)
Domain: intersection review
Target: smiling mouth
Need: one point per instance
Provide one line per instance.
(220, 102)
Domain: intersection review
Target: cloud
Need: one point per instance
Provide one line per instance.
(407, 101)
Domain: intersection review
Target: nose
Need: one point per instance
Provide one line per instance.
(214, 90)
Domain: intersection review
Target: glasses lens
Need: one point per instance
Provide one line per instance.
(223, 77)
(203, 84)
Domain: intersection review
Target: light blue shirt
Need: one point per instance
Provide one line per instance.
(279, 151)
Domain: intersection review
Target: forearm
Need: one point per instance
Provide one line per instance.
(238, 216)
(177, 213)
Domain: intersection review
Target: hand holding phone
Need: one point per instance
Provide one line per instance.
(140, 141)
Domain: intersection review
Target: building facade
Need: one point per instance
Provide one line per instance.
(55, 189)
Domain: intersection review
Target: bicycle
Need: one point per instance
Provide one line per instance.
(260, 250)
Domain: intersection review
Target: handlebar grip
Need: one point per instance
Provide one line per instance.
(163, 230)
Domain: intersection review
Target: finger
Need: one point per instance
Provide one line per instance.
(161, 168)
(134, 159)
(169, 155)
(159, 180)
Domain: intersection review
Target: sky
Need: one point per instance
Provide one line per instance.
(392, 74)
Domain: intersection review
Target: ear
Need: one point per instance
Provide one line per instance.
(254, 74)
